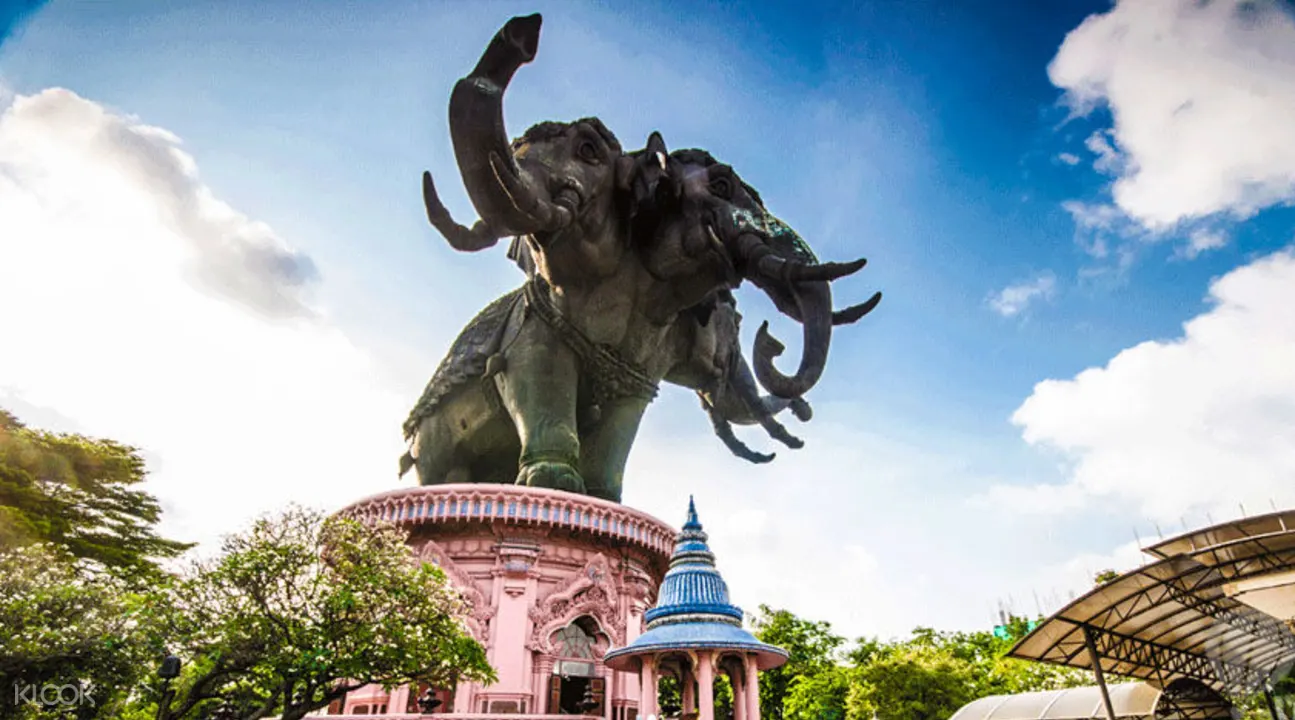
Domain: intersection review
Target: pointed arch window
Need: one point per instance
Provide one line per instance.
(575, 641)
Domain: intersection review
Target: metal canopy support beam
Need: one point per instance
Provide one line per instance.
(1097, 672)
(1272, 706)
(1171, 662)
(1261, 626)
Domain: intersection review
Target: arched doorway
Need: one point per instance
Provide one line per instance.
(578, 648)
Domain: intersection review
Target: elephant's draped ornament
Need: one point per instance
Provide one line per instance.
(629, 261)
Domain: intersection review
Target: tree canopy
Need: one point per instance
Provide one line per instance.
(289, 615)
(87, 634)
(79, 494)
(927, 676)
(303, 608)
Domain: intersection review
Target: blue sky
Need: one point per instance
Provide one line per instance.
(949, 142)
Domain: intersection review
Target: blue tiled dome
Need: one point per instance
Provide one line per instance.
(693, 609)
(692, 589)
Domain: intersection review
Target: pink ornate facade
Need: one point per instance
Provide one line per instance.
(555, 581)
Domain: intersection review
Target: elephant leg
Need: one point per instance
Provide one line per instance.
(434, 454)
(538, 388)
(605, 448)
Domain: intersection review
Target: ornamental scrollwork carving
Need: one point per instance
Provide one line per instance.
(478, 618)
(592, 592)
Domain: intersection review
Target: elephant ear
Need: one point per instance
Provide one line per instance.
(643, 174)
(520, 253)
(787, 243)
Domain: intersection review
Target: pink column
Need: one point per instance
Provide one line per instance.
(705, 686)
(648, 689)
(463, 697)
(544, 671)
(738, 681)
(687, 691)
(752, 689)
(399, 699)
(610, 687)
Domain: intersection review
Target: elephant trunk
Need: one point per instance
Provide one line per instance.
(802, 290)
(814, 303)
(503, 197)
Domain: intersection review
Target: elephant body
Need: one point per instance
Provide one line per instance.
(468, 424)
(629, 260)
(461, 430)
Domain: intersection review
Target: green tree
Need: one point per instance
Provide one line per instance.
(993, 673)
(81, 494)
(820, 695)
(69, 628)
(302, 609)
(812, 646)
(670, 699)
(723, 696)
(911, 682)
(1104, 577)
(911, 677)
(669, 696)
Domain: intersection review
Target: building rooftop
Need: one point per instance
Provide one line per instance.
(693, 609)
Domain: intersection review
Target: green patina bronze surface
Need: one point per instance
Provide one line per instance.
(629, 260)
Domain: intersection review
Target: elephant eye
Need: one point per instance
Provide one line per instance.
(722, 187)
(588, 152)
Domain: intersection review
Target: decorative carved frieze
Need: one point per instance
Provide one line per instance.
(478, 620)
(517, 556)
(592, 592)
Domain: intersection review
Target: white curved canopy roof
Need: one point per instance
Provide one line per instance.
(1130, 700)
(1202, 611)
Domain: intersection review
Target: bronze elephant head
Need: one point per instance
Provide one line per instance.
(712, 225)
(557, 183)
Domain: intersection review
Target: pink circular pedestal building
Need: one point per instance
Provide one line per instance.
(555, 580)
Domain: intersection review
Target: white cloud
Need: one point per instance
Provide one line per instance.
(1199, 423)
(1202, 95)
(1108, 158)
(50, 137)
(1202, 240)
(1015, 299)
(144, 309)
(1058, 583)
(1043, 499)
(1092, 216)
(1068, 158)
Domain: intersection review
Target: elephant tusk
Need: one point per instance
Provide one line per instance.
(855, 312)
(660, 159)
(479, 237)
(541, 215)
(714, 238)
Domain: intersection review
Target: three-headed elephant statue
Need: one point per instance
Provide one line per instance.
(630, 257)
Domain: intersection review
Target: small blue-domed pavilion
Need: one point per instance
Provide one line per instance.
(694, 633)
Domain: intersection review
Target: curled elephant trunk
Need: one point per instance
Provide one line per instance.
(501, 194)
(802, 290)
(814, 302)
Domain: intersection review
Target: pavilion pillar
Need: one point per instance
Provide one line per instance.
(752, 689)
(1096, 661)
(705, 685)
(687, 691)
(647, 687)
(738, 680)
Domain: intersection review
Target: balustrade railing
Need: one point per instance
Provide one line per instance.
(505, 503)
